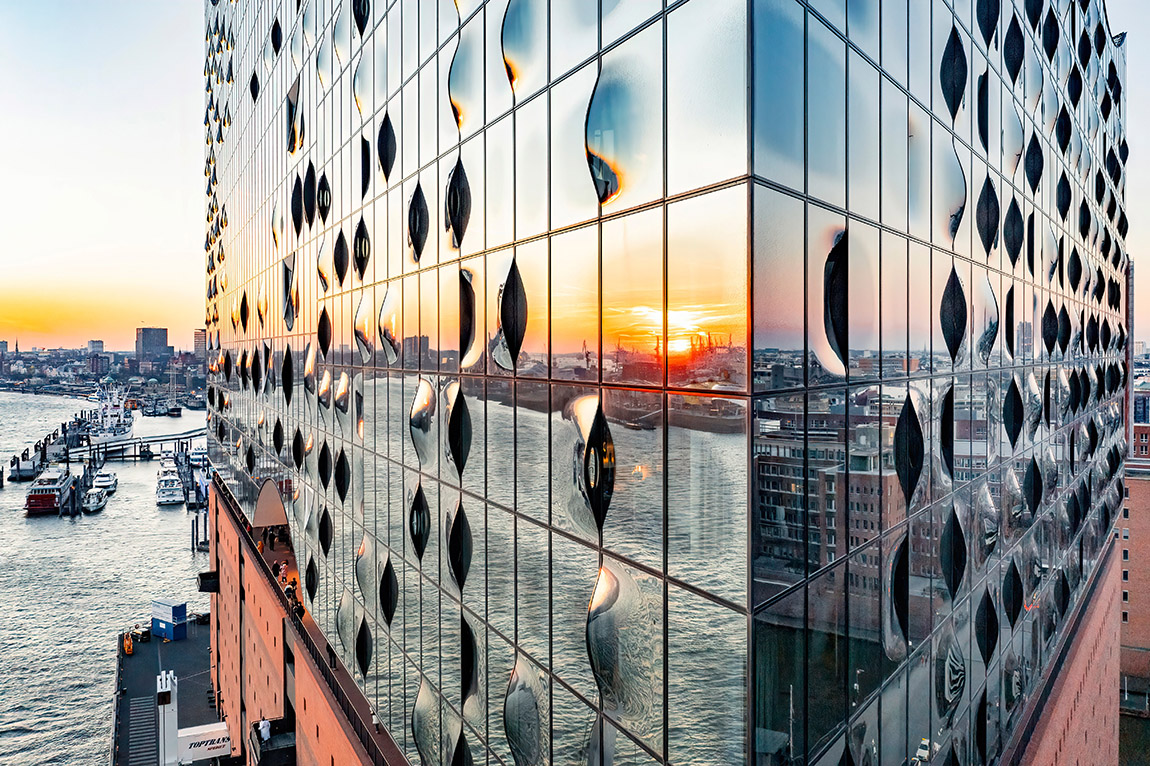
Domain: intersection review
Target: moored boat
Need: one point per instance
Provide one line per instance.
(50, 492)
(107, 481)
(94, 500)
(169, 490)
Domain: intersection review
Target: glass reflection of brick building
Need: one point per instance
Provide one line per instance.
(708, 382)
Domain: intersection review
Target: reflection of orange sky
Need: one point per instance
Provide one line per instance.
(48, 316)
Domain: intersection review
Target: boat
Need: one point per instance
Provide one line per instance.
(175, 411)
(113, 420)
(198, 457)
(94, 500)
(50, 492)
(107, 481)
(169, 491)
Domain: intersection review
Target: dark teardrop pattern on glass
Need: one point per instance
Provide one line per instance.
(457, 205)
(1009, 312)
(278, 436)
(361, 12)
(1034, 12)
(1013, 414)
(1063, 329)
(952, 553)
(254, 86)
(1062, 130)
(325, 530)
(1034, 162)
(1049, 328)
(309, 194)
(1050, 34)
(388, 592)
(1013, 232)
(835, 291)
(250, 461)
(277, 36)
(363, 647)
(245, 312)
(984, 110)
(418, 222)
(986, 626)
(1085, 220)
(513, 311)
(900, 587)
(468, 660)
(1012, 595)
(364, 166)
(323, 331)
(980, 731)
(323, 197)
(386, 147)
(987, 12)
(419, 522)
(1061, 594)
(908, 449)
(1074, 87)
(466, 317)
(986, 216)
(1032, 487)
(598, 480)
(324, 465)
(1014, 49)
(339, 258)
(952, 314)
(311, 579)
(459, 546)
(342, 475)
(946, 431)
(297, 205)
(458, 431)
(953, 73)
(1062, 196)
(297, 449)
(361, 249)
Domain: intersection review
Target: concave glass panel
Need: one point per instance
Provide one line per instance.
(707, 291)
(706, 93)
(624, 125)
(573, 196)
(633, 298)
(779, 108)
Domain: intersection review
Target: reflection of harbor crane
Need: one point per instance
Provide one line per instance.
(586, 356)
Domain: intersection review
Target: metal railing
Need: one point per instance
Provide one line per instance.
(364, 732)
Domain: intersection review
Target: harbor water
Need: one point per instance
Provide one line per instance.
(69, 586)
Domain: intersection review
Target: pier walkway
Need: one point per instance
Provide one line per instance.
(134, 730)
(129, 449)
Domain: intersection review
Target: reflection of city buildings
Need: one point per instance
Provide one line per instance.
(617, 414)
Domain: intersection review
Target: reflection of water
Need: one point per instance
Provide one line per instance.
(70, 586)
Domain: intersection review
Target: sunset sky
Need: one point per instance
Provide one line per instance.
(102, 201)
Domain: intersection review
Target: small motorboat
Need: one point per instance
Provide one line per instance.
(169, 491)
(107, 481)
(94, 500)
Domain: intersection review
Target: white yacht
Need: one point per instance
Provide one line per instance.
(94, 500)
(169, 491)
(114, 420)
(107, 481)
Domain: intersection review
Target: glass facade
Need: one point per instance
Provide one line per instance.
(701, 382)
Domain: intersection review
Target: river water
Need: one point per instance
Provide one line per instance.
(68, 586)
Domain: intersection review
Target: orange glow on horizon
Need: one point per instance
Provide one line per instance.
(51, 316)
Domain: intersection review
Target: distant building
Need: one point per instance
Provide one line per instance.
(99, 364)
(152, 344)
(95, 347)
(3, 347)
(200, 344)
